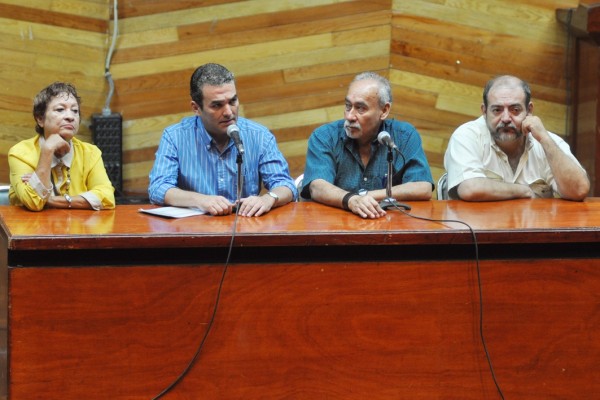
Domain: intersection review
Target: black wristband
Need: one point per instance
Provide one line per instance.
(346, 199)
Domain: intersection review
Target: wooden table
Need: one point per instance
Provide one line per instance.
(316, 303)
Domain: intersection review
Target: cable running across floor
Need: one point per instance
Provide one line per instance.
(479, 286)
(212, 318)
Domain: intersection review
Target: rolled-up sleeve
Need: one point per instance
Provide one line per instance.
(320, 160)
(274, 168)
(165, 172)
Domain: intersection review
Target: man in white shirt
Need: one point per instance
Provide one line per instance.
(508, 154)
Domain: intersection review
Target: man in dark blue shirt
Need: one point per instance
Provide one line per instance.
(347, 167)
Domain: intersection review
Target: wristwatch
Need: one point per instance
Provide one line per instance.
(68, 199)
(346, 199)
(273, 195)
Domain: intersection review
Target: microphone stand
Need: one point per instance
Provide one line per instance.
(389, 201)
(240, 178)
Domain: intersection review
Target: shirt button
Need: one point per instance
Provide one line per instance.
(365, 179)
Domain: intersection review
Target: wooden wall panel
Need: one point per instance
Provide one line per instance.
(41, 42)
(293, 61)
(449, 49)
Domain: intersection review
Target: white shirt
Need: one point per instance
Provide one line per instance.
(472, 153)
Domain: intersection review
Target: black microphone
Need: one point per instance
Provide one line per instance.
(386, 139)
(234, 133)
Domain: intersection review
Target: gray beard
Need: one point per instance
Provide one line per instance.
(501, 135)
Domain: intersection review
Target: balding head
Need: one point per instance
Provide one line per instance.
(506, 81)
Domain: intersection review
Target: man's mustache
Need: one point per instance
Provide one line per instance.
(507, 126)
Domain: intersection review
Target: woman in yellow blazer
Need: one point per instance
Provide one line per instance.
(54, 169)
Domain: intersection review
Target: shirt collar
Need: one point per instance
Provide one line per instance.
(205, 138)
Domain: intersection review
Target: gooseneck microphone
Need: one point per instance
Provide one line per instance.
(385, 138)
(234, 133)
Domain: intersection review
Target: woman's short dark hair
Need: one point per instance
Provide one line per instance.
(208, 74)
(45, 96)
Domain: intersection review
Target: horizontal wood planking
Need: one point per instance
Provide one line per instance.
(487, 39)
(247, 30)
(223, 11)
(26, 30)
(45, 41)
(262, 57)
(138, 8)
(523, 19)
(292, 61)
(292, 66)
(470, 49)
(60, 14)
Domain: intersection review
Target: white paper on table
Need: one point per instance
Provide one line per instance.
(173, 212)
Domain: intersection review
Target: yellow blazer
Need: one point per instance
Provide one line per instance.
(87, 174)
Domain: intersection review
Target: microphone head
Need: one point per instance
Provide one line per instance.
(383, 137)
(231, 129)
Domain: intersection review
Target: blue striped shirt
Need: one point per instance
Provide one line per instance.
(188, 158)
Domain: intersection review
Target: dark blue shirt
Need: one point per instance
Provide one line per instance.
(334, 157)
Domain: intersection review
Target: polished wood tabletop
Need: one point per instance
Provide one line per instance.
(304, 223)
(316, 303)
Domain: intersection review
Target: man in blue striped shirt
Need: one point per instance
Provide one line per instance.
(196, 163)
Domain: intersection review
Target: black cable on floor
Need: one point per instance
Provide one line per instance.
(479, 285)
(212, 319)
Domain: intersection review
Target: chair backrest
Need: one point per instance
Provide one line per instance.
(298, 182)
(4, 194)
(442, 187)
